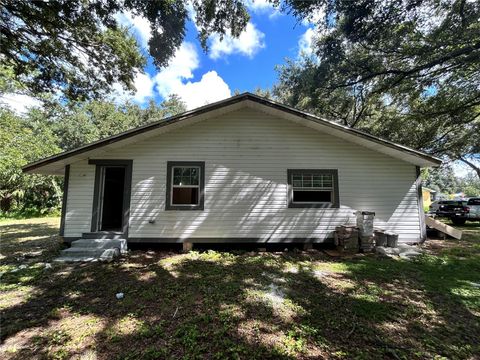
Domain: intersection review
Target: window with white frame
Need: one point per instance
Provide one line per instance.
(313, 188)
(185, 185)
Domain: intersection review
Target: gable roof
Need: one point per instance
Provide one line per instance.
(56, 163)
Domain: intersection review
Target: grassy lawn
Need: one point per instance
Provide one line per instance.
(237, 305)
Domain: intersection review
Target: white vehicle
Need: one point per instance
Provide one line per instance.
(473, 213)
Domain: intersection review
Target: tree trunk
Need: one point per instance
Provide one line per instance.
(472, 165)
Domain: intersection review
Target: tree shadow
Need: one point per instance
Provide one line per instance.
(221, 305)
(32, 240)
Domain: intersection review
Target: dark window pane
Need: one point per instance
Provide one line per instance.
(474, 202)
(312, 196)
(185, 180)
(186, 172)
(194, 176)
(307, 180)
(177, 180)
(185, 196)
(317, 181)
(297, 183)
(177, 172)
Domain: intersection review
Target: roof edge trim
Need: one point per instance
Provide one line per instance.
(219, 104)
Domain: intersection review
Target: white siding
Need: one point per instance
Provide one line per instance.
(247, 154)
(79, 199)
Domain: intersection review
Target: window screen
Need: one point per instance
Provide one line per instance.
(313, 188)
(185, 185)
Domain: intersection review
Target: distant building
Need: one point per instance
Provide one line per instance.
(429, 196)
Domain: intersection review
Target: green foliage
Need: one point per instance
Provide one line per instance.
(442, 179)
(23, 141)
(81, 123)
(56, 127)
(79, 48)
(470, 185)
(406, 71)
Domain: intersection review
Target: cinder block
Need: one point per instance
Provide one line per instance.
(187, 246)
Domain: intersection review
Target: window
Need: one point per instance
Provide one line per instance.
(475, 201)
(185, 185)
(313, 188)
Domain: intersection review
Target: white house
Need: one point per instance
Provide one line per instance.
(245, 169)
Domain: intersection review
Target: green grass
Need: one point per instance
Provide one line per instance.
(221, 305)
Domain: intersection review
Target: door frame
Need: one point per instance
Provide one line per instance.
(127, 189)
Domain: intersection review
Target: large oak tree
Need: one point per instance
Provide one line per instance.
(408, 70)
(79, 49)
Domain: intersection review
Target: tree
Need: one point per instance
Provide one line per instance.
(298, 86)
(266, 93)
(79, 123)
(441, 179)
(470, 185)
(391, 66)
(78, 48)
(23, 141)
(56, 127)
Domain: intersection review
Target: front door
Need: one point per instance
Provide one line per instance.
(111, 199)
(111, 206)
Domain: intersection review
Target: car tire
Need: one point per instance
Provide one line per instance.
(458, 221)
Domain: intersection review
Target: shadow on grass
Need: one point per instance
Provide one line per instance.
(220, 305)
(19, 239)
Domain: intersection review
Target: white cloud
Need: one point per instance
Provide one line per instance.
(140, 26)
(259, 5)
(250, 41)
(305, 42)
(170, 80)
(176, 77)
(144, 85)
(315, 17)
(19, 103)
(209, 89)
(263, 7)
(180, 68)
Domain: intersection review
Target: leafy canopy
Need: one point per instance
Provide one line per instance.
(405, 70)
(79, 49)
(23, 141)
(56, 127)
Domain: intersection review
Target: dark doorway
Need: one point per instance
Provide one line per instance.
(111, 203)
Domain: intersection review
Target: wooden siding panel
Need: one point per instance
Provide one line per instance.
(247, 154)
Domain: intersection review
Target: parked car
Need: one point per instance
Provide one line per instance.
(440, 205)
(473, 205)
(458, 211)
(455, 210)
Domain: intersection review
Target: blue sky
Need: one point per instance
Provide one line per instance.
(245, 73)
(243, 63)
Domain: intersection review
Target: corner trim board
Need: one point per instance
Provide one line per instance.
(66, 180)
(421, 212)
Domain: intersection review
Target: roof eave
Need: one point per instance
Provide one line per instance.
(426, 160)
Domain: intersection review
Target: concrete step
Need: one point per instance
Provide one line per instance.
(101, 244)
(83, 251)
(87, 250)
(103, 235)
(74, 259)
